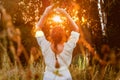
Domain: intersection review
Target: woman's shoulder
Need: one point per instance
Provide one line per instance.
(39, 33)
(75, 33)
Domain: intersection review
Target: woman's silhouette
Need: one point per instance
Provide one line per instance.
(57, 52)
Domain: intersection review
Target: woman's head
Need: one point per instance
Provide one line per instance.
(57, 34)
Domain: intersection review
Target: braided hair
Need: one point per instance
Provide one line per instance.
(57, 35)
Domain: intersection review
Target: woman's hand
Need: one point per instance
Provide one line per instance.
(62, 11)
(48, 10)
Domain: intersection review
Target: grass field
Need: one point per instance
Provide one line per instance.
(79, 72)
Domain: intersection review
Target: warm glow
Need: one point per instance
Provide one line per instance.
(83, 19)
(57, 19)
(75, 18)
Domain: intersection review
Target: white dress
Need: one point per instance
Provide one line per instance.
(64, 58)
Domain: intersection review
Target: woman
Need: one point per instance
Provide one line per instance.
(57, 53)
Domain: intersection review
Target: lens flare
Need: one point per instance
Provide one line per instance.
(57, 19)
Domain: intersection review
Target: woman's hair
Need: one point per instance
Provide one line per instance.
(57, 34)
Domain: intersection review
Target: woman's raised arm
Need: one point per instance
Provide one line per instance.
(42, 20)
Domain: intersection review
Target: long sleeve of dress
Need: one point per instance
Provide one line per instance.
(66, 55)
(43, 43)
(71, 43)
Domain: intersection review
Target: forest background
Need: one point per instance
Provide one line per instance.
(19, 49)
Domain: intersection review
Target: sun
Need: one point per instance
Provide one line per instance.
(57, 19)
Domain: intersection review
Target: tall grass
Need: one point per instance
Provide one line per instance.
(35, 72)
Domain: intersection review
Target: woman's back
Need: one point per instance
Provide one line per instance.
(64, 57)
